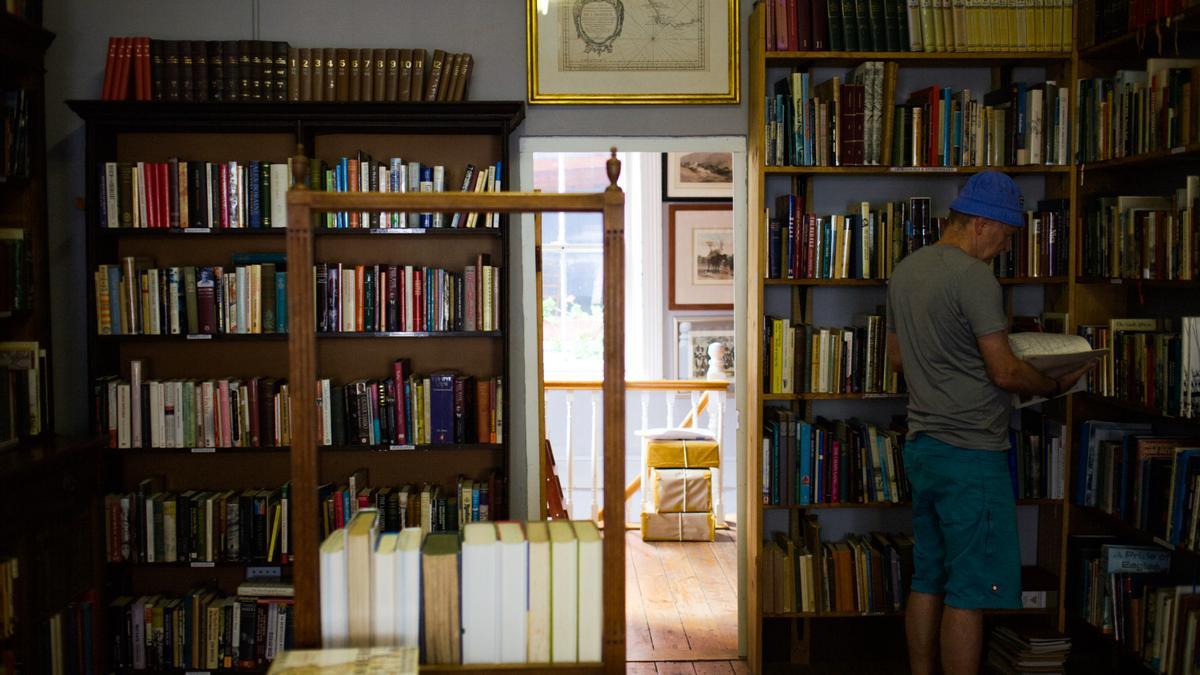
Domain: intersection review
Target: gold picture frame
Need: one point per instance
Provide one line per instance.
(595, 52)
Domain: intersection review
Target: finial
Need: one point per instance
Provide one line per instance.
(614, 170)
(299, 169)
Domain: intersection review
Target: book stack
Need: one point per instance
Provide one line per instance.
(917, 25)
(14, 134)
(1152, 363)
(1102, 20)
(831, 462)
(430, 508)
(496, 593)
(248, 298)
(155, 525)
(24, 391)
(364, 174)
(1018, 651)
(854, 120)
(390, 298)
(203, 415)
(805, 359)
(1143, 237)
(258, 71)
(1036, 461)
(1134, 112)
(16, 271)
(68, 638)
(407, 409)
(194, 195)
(202, 629)
(677, 504)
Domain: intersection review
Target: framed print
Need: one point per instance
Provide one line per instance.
(700, 256)
(631, 51)
(697, 176)
(694, 336)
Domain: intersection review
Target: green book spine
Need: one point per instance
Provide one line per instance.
(849, 25)
(834, 13)
(862, 11)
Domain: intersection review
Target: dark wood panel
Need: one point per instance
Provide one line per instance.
(454, 255)
(225, 470)
(208, 147)
(200, 250)
(207, 359)
(440, 467)
(373, 358)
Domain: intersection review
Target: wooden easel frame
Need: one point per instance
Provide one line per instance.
(302, 374)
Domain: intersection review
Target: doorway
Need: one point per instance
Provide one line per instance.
(685, 247)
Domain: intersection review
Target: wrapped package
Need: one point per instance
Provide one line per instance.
(683, 454)
(678, 526)
(682, 490)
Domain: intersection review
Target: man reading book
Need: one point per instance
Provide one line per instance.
(947, 332)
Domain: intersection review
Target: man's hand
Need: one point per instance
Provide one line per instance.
(1065, 382)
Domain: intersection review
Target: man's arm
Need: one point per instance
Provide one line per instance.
(893, 353)
(1011, 374)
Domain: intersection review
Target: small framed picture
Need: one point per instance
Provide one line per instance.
(697, 176)
(700, 256)
(694, 337)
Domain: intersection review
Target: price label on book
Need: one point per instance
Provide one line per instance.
(197, 230)
(1116, 281)
(400, 230)
(203, 563)
(401, 447)
(924, 169)
(199, 336)
(198, 672)
(203, 451)
(1179, 150)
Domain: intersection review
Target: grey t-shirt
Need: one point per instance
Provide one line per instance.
(940, 300)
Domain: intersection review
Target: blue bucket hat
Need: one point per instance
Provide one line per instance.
(992, 195)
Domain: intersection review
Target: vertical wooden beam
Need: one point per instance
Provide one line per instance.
(302, 381)
(541, 368)
(614, 421)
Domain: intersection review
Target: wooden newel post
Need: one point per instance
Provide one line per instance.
(302, 379)
(614, 421)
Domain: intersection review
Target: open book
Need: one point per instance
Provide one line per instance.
(1053, 354)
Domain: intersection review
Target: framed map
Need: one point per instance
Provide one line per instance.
(632, 51)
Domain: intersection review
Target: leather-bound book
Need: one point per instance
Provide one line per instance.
(342, 82)
(449, 76)
(245, 70)
(378, 87)
(232, 77)
(110, 65)
(464, 75)
(260, 66)
(331, 73)
(186, 89)
(355, 76)
(435, 75)
(418, 75)
(282, 66)
(216, 70)
(171, 69)
(306, 74)
(199, 71)
(318, 74)
(293, 74)
(158, 80)
(366, 65)
(393, 75)
(405, 85)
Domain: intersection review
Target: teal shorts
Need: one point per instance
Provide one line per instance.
(964, 524)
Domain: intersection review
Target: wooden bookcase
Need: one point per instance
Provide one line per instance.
(817, 638)
(53, 478)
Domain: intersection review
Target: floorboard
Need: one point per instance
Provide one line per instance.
(662, 617)
(676, 668)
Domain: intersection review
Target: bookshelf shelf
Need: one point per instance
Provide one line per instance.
(1114, 524)
(1031, 281)
(280, 232)
(419, 448)
(1136, 409)
(908, 171)
(831, 397)
(885, 505)
(825, 282)
(1159, 159)
(1120, 281)
(282, 337)
(1025, 611)
(953, 59)
(198, 564)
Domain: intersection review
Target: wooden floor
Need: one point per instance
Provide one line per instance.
(681, 605)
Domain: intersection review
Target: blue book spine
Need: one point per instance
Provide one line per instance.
(1185, 460)
(343, 185)
(804, 433)
(254, 193)
(475, 503)
(441, 407)
(426, 186)
(281, 317)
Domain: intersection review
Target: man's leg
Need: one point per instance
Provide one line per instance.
(922, 619)
(962, 641)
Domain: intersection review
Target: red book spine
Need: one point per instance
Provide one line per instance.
(114, 530)
(150, 186)
(255, 426)
(224, 193)
(419, 299)
(110, 76)
(793, 41)
(781, 30)
(139, 75)
(835, 483)
(164, 194)
(810, 246)
(121, 90)
(147, 93)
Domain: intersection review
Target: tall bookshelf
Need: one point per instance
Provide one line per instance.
(56, 477)
(779, 640)
(452, 135)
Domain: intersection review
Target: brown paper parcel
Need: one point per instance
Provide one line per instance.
(682, 490)
(683, 454)
(678, 526)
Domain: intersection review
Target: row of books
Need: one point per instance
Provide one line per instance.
(1102, 20)
(831, 462)
(10, 571)
(799, 358)
(203, 629)
(1127, 593)
(1036, 460)
(853, 121)
(145, 69)
(14, 133)
(1133, 112)
(67, 641)
(155, 525)
(918, 25)
(24, 391)
(498, 593)
(1148, 480)
(249, 297)
(1150, 363)
(16, 270)
(1042, 247)
(407, 408)
(1143, 237)
(429, 508)
(358, 298)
